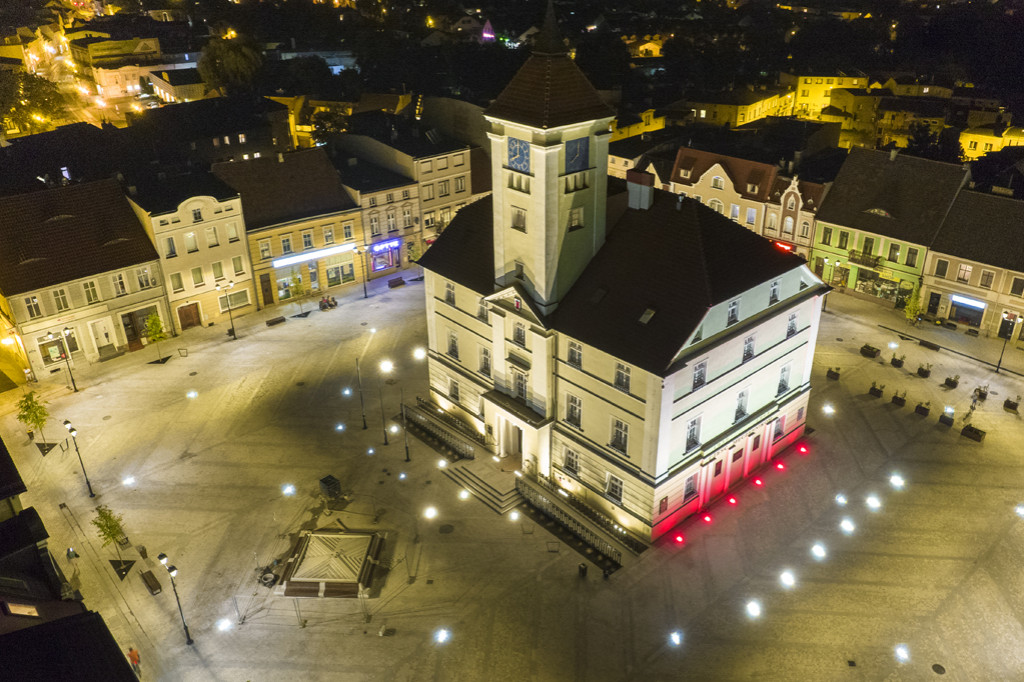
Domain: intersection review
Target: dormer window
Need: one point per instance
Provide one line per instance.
(751, 188)
(685, 173)
(734, 313)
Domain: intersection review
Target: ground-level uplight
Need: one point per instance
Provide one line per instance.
(818, 551)
(402, 476)
(896, 481)
(680, 539)
(1020, 510)
(787, 578)
(847, 525)
(128, 480)
(430, 513)
(339, 427)
(346, 391)
(463, 494)
(419, 353)
(841, 500)
(873, 503)
(828, 409)
(675, 638)
(224, 624)
(902, 653)
(754, 608)
(442, 463)
(442, 636)
(370, 451)
(288, 489)
(514, 515)
(758, 482)
(192, 394)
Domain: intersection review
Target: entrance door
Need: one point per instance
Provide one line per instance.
(131, 331)
(188, 316)
(513, 440)
(314, 278)
(933, 303)
(267, 288)
(103, 336)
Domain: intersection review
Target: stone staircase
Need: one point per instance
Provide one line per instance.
(496, 489)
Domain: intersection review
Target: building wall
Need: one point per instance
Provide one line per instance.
(811, 94)
(726, 199)
(989, 290)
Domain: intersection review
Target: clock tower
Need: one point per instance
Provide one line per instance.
(549, 133)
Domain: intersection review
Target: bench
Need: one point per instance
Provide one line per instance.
(275, 320)
(971, 332)
(929, 344)
(152, 584)
(395, 282)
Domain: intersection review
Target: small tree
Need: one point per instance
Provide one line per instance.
(32, 413)
(155, 332)
(110, 528)
(913, 307)
(298, 290)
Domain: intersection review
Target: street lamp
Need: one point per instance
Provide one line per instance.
(405, 423)
(231, 318)
(172, 571)
(74, 432)
(362, 402)
(366, 271)
(385, 368)
(1006, 328)
(66, 352)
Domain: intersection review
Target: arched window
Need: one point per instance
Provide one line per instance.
(787, 225)
(791, 203)
(717, 205)
(805, 229)
(717, 182)
(772, 221)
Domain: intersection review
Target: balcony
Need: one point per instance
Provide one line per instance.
(861, 258)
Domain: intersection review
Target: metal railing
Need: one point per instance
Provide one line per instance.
(605, 522)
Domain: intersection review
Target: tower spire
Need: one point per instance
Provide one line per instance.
(549, 40)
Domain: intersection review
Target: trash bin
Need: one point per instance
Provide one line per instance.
(583, 570)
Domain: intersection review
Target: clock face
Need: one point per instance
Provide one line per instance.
(577, 155)
(519, 155)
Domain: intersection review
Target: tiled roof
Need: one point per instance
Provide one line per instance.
(165, 194)
(692, 269)
(741, 172)
(397, 131)
(10, 480)
(88, 651)
(915, 193)
(299, 185)
(181, 76)
(363, 176)
(549, 90)
(984, 228)
(68, 233)
(811, 193)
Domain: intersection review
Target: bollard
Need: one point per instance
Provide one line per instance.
(583, 570)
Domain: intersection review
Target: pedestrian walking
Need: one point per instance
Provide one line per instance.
(133, 658)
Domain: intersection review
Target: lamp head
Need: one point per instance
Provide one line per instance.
(162, 558)
(173, 570)
(67, 424)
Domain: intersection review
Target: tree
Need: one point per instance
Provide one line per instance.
(297, 290)
(32, 413)
(110, 528)
(326, 124)
(155, 332)
(31, 103)
(913, 307)
(229, 66)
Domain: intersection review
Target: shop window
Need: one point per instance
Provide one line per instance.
(385, 258)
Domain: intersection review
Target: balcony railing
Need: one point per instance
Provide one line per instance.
(861, 258)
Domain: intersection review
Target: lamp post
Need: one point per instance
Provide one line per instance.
(366, 270)
(231, 318)
(362, 402)
(74, 432)
(173, 571)
(405, 423)
(67, 354)
(385, 367)
(1006, 329)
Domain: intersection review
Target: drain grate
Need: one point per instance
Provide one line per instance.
(938, 669)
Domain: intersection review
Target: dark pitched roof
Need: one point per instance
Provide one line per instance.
(79, 647)
(206, 117)
(397, 131)
(692, 269)
(10, 480)
(289, 187)
(68, 233)
(549, 90)
(741, 172)
(159, 194)
(984, 228)
(181, 76)
(897, 196)
(363, 176)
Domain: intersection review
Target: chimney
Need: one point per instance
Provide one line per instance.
(640, 187)
(280, 157)
(893, 153)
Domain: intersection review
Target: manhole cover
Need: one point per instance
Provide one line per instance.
(300, 383)
(192, 374)
(939, 670)
(106, 418)
(838, 339)
(390, 382)
(446, 529)
(363, 323)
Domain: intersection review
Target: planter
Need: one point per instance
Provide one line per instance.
(946, 419)
(929, 345)
(1010, 405)
(972, 433)
(833, 374)
(875, 391)
(922, 410)
(899, 400)
(896, 362)
(951, 382)
(869, 351)
(923, 372)
(982, 395)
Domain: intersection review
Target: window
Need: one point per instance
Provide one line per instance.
(91, 294)
(197, 215)
(238, 265)
(576, 351)
(751, 216)
(286, 245)
(169, 250)
(911, 257)
(620, 435)
(373, 201)
(800, 414)
(805, 229)
(716, 206)
(784, 379)
(573, 410)
(241, 138)
(986, 279)
(216, 142)
(894, 253)
(519, 384)
(428, 219)
(844, 239)
(700, 374)
(390, 198)
(690, 490)
(791, 203)
(232, 229)
(197, 277)
(453, 345)
(518, 219)
(145, 280)
(406, 217)
(663, 505)
(519, 334)
(211, 236)
(428, 192)
(571, 462)
(60, 299)
(442, 163)
(375, 225)
(622, 377)
(614, 489)
(737, 456)
(191, 243)
(405, 194)
(392, 226)
(734, 313)
(940, 267)
(485, 361)
(973, 144)
(787, 225)
(481, 310)
(575, 218)
(780, 428)
(176, 283)
(826, 235)
(460, 184)
(453, 390)
(427, 166)
(748, 348)
(869, 246)
(791, 325)
(717, 182)
(773, 292)
(1017, 288)
(692, 433)
(119, 286)
(449, 293)
(718, 468)
(307, 239)
(734, 212)
(218, 270)
(265, 249)
(772, 221)
(458, 160)
(328, 235)
(964, 273)
(346, 229)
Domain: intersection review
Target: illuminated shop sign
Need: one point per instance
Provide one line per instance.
(312, 255)
(969, 302)
(390, 244)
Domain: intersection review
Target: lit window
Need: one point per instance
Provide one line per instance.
(614, 489)
(964, 273)
(191, 243)
(571, 462)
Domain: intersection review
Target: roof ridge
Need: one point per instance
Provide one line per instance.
(699, 233)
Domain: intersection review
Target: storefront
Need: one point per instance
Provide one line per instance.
(51, 346)
(386, 255)
(340, 269)
(304, 268)
(883, 284)
(964, 310)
